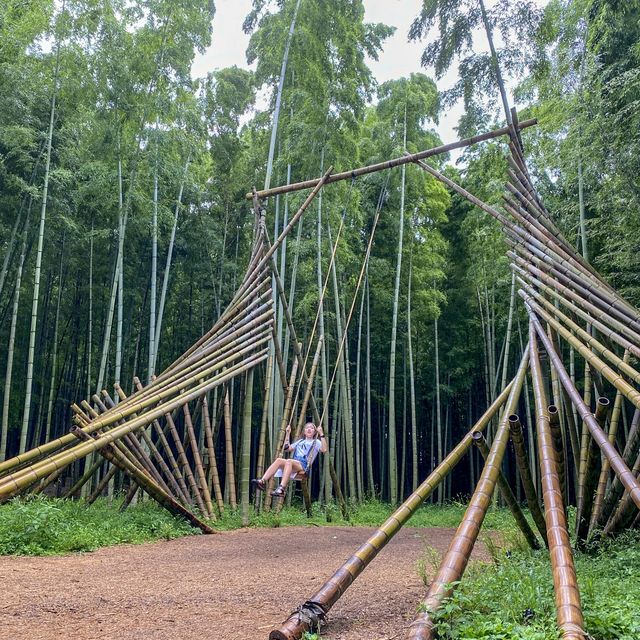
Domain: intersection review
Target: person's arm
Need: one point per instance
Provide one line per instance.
(287, 438)
(324, 445)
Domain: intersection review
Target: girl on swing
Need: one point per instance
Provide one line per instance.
(304, 452)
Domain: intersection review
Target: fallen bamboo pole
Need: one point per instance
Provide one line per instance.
(309, 614)
(388, 164)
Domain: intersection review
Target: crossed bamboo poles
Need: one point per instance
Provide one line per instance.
(570, 308)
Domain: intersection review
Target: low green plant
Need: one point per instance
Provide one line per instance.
(512, 597)
(47, 526)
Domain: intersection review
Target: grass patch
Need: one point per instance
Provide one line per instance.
(512, 598)
(38, 526)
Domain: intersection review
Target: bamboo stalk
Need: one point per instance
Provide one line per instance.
(480, 442)
(565, 583)
(213, 464)
(515, 429)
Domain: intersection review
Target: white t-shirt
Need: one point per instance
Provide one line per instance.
(305, 451)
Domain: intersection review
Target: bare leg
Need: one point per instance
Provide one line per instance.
(289, 467)
(278, 463)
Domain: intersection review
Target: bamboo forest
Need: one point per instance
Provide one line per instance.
(277, 318)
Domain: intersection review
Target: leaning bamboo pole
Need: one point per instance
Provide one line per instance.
(507, 493)
(13, 483)
(616, 461)
(515, 429)
(455, 560)
(565, 583)
(309, 614)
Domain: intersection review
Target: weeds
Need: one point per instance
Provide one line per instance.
(46, 526)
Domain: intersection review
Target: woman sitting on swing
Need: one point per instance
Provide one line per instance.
(304, 452)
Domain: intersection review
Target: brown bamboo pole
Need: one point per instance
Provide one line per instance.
(558, 447)
(101, 486)
(455, 560)
(616, 489)
(624, 512)
(615, 459)
(388, 164)
(230, 478)
(592, 472)
(515, 429)
(15, 482)
(320, 604)
(211, 450)
(509, 498)
(589, 319)
(565, 583)
(195, 452)
(162, 438)
(110, 453)
(598, 502)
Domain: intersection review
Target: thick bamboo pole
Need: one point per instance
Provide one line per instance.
(558, 447)
(455, 560)
(515, 429)
(389, 164)
(120, 413)
(195, 452)
(565, 583)
(509, 498)
(211, 450)
(320, 604)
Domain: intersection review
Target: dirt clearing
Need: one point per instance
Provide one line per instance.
(233, 585)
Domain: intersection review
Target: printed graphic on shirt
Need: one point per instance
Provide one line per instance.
(304, 451)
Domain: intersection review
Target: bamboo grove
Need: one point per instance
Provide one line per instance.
(407, 306)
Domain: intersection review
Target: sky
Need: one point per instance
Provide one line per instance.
(399, 57)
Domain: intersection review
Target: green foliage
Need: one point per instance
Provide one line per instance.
(512, 597)
(45, 526)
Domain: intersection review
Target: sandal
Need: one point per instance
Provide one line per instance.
(278, 493)
(259, 484)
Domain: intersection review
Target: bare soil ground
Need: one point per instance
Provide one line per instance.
(237, 584)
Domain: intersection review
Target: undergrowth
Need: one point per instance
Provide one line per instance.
(512, 597)
(47, 526)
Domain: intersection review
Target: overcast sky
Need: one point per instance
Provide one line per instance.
(399, 58)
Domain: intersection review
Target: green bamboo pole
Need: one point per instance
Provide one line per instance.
(320, 604)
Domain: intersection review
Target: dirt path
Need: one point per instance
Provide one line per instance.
(231, 585)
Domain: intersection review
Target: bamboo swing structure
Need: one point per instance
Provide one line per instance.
(151, 435)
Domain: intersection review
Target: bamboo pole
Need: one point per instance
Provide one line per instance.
(615, 459)
(15, 482)
(455, 560)
(592, 473)
(510, 499)
(110, 453)
(309, 614)
(515, 429)
(389, 164)
(211, 450)
(565, 583)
